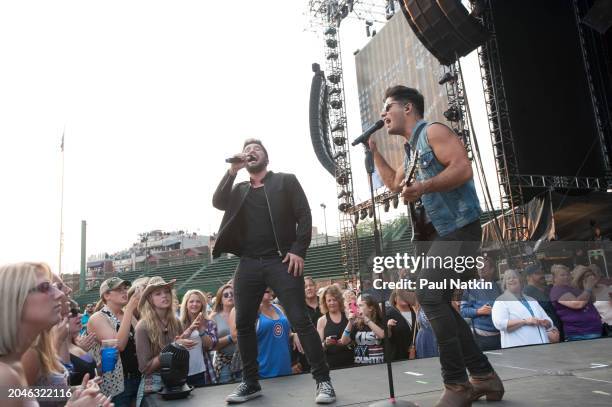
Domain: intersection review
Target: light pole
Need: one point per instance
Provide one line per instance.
(325, 223)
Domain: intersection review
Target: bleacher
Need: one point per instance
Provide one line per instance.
(322, 262)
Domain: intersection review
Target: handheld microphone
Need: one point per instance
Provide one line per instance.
(235, 160)
(369, 131)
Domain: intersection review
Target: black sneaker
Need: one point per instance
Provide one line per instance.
(244, 392)
(325, 393)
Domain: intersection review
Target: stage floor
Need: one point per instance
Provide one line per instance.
(566, 374)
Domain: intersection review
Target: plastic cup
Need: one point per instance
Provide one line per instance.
(109, 355)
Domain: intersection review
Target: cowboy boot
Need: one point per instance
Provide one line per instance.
(489, 385)
(456, 395)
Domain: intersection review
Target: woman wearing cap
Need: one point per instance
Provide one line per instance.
(203, 332)
(519, 318)
(225, 348)
(82, 362)
(573, 302)
(115, 320)
(158, 327)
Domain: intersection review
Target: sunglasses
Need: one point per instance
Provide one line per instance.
(45, 287)
(228, 295)
(387, 106)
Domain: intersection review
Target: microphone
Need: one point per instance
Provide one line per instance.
(369, 131)
(235, 160)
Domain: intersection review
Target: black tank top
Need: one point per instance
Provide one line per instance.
(337, 355)
(80, 367)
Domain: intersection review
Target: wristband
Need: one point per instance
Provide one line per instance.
(229, 339)
(347, 332)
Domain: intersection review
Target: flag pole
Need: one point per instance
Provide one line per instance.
(61, 236)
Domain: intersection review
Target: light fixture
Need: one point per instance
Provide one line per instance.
(453, 114)
(364, 214)
(339, 140)
(447, 77)
(387, 205)
(395, 201)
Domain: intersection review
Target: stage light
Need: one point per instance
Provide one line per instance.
(316, 67)
(174, 367)
(364, 214)
(343, 207)
(395, 202)
(334, 78)
(338, 127)
(368, 25)
(334, 91)
(332, 55)
(339, 140)
(339, 154)
(387, 205)
(331, 43)
(447, 77)
(453, 114)
(343, 193)
(336, 104)
(342, 178)
(330, 31)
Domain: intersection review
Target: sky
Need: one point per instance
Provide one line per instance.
(151, 97)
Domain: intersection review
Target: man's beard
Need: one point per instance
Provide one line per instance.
(254, 169)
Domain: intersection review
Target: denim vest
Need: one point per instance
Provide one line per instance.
(450, 210)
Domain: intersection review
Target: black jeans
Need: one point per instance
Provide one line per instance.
(250, 281)
(456, 343)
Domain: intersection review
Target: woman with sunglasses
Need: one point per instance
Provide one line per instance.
(225, 348)
(203, 332)
(115, 320)
(82, 362)
(29, 306)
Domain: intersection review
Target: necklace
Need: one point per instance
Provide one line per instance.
(164, 325)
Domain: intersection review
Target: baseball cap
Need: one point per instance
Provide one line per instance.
(111, 284)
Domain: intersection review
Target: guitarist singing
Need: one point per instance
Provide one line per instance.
(444, 184)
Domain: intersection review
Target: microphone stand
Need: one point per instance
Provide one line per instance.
(378, 250)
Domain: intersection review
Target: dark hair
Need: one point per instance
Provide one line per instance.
(371, 302)
(255, 141)
(405, 95)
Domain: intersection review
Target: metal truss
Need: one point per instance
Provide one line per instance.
(506, 163)
(556, 181)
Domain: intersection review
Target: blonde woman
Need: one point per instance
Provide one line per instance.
(115, 320)
(30, 305)
(331, 327)
(226, 347)
(574, 302)
(158, 327)
(203, 332)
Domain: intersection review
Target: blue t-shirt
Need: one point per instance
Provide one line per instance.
(273, 355)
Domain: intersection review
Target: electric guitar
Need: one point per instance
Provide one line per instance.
(416, 209)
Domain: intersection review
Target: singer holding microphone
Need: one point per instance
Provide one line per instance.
(267, 223)
(445, 185)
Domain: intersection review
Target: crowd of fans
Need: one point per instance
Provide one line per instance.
(45, 341)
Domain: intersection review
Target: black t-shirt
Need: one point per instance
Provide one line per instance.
(256, 225)
(313, 314)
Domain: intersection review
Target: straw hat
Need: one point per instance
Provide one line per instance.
(136, 284)
(579, 273)
(154, 283)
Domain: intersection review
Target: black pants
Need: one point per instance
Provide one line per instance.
(456, 343)
(488, 342)
(250, 281)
